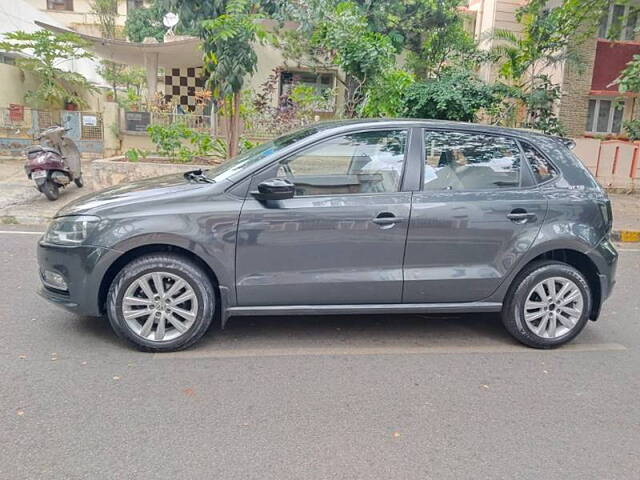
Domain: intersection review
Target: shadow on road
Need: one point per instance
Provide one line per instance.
(357, 331)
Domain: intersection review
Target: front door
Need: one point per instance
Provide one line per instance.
(341, 239)
(479, 211)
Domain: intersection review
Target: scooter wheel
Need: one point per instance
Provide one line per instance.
(79, 182)
(50, 190)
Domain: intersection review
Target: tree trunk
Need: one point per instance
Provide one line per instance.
(234, 133)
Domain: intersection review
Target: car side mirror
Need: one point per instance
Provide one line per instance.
(275, 189)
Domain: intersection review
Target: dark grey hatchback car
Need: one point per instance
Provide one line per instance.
(388, 216)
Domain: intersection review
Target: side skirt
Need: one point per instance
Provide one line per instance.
(365, 308)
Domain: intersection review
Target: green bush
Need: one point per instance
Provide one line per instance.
(386, 97)
(182, 143)
(456, 95)
(632, 129)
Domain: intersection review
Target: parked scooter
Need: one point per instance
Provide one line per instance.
(54, 163)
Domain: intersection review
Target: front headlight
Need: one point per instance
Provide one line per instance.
(71, 230)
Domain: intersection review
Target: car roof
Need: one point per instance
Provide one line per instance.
(339, 125)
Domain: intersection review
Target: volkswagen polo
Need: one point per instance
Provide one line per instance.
(387, 216)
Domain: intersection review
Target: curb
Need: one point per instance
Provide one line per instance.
(626, 236)
(622, 236)
(24, 220)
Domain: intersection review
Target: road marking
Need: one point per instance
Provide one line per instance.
(629, 250)
(361, 351)
(20, 232)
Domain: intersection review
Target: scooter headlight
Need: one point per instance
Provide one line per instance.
(71, 230)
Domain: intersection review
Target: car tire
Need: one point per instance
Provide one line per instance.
(50, 190)
(79, 182)
(539, 313)
(178, 315)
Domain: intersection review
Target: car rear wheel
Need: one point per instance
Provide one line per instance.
(161, 302)
(548, 305)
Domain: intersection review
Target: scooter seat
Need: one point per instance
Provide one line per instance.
(40, 148)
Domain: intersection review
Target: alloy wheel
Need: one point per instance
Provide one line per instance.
(160, 306)
(553, 307)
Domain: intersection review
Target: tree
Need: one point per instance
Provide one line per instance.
(348, 43)
(456, 95)
(44, 53)
(145, 22)
(106, 11)
(386, 97)
(549, 37)
(193, 12)
(229, 57)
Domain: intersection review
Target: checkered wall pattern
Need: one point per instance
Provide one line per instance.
(181, 86)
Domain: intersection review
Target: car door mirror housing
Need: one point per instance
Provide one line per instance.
(274, 189)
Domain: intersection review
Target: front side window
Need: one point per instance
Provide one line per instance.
(540, 166)
(604, 116)
(470, 161)
(60, 5)
(364, 162)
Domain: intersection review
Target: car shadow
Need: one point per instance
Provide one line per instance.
(358, 331)
(271, 333)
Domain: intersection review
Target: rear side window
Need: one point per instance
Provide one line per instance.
(470, 161)
(540, 166)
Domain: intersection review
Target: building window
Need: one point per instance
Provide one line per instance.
(134, 5)
(604, 116)
(322, 85)
(7, 58)
(60, 5)
(619, 22)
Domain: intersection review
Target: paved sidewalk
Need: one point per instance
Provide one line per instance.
(21, 203)
(626, 211)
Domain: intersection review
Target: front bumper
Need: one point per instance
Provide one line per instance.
(83, 268)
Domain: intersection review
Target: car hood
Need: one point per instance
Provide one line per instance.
(141, 190)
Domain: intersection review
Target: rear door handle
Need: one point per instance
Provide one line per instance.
(521, 216)
(386, 218)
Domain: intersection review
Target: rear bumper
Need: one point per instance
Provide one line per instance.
(83, 268)
(605, 256)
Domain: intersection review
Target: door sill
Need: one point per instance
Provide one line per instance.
(365, 308)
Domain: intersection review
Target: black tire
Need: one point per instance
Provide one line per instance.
(50, 190)
(79, 182)
(174, 264)
(513, 308)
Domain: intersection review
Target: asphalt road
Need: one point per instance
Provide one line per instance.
(401, 397)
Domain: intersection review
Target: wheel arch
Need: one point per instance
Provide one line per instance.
(578, 260)
(140, 250)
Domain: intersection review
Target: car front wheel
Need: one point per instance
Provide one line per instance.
(548, 305)
(161, 302)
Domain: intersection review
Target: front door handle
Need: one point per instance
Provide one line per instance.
(520, 215)
(386, 218)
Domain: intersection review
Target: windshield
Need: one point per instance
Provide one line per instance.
(250, 157)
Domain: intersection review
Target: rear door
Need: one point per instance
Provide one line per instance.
(341, 239)
(478, 212)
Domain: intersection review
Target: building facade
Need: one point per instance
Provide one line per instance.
(591, 104)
